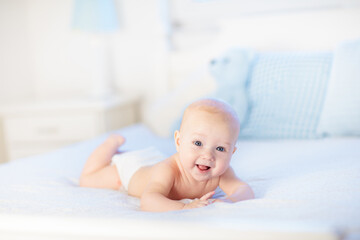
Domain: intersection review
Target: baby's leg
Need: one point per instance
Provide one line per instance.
(98, 172)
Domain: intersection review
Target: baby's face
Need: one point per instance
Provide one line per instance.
(205, 144)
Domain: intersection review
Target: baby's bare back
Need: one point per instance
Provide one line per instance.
(139, 181)
(180, 187)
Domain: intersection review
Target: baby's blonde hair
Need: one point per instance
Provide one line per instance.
(214, 106)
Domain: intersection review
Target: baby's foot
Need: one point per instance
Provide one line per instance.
(117, 139)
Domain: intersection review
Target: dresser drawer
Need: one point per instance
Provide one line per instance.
(39, 126)
(50, 128)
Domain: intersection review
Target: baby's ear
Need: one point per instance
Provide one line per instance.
(177, 139)
(235, 148)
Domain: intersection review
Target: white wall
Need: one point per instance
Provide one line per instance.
(204, 29)
(43, 57)
(141, 48)
(16, 79)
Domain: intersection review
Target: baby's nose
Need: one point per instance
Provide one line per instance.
(208, 155)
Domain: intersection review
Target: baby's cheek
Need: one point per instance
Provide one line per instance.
(223, 164)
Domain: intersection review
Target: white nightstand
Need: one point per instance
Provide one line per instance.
(37, 126)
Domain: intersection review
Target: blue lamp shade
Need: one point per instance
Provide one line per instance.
(95, 15)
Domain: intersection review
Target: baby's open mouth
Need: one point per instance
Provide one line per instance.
(202, 167)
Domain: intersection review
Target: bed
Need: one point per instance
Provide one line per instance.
(306, 182)
(304, 190)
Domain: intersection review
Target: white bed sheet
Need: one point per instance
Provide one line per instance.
(300, 185)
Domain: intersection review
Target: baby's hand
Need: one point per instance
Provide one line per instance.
(202, 202)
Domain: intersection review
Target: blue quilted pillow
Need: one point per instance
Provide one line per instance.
(286, 95)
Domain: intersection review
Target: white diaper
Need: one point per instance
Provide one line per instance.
(128, 163)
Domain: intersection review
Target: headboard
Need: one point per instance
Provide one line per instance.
(314, 30)
(306, 30)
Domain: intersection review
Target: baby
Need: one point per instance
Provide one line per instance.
(205, 144)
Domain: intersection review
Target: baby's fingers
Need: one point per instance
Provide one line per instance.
(201, 203)
(197, 203)
(207, 196)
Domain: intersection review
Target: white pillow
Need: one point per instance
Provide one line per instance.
(341, 111)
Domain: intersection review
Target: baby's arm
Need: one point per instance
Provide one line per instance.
(235, 189)
(98, 172)
(154, 197)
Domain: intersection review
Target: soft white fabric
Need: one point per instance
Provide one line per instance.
(128, 163)
(296, 182)
(341, 112)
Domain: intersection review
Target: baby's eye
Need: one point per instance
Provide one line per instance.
(198, 143)
(221, 149)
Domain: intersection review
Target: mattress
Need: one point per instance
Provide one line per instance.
(303, 188)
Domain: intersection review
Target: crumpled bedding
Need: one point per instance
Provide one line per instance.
(311, 182)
